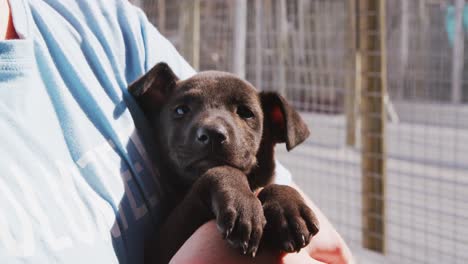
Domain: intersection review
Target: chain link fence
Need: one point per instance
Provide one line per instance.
(383, 86)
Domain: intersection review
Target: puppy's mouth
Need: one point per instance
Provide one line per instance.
(206, 163)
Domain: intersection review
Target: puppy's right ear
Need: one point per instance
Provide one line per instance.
(152, 89)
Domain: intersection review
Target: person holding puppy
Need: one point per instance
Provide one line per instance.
(76, 184)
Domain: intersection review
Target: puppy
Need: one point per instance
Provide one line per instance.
(215, 137)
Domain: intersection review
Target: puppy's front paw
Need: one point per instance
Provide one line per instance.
(290, 222)
(240, 219)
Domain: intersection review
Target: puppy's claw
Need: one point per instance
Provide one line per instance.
(303, 240)
(227, 233)
(232, 243)
(288, 247)
(244, 248)
(254, 252)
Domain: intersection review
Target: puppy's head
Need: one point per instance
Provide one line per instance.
(213, 119)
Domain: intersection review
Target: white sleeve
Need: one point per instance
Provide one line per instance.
(164, 51)
(158, 49)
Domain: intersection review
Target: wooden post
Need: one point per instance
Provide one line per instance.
(373, 73)
(240, 37)
(458, 54)
(190, 32)
(350, 92)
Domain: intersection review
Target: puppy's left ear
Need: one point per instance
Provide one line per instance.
(285, 125)
(152, 90)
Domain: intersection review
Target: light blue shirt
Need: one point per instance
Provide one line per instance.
(76, 183)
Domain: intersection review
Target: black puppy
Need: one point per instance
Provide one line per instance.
(215, 136)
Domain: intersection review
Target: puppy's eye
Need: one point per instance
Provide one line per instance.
(181, 110)
(244, 112)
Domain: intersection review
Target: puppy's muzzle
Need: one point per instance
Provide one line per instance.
(215, 134)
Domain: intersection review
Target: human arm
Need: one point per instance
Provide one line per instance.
(207, 246)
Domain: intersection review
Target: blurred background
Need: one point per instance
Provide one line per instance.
(383, 86)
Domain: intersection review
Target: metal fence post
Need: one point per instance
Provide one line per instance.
(351, 76)
(373, 73)
(190, 31)
(458, 53)
(240, 37)
(282, 38)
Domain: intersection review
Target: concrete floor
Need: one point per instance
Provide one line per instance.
(427, 188)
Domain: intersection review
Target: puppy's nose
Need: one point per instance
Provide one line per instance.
(214, 134)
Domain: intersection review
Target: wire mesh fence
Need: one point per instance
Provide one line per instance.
(383, 86)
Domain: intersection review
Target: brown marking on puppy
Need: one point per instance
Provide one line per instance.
(215, 136)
